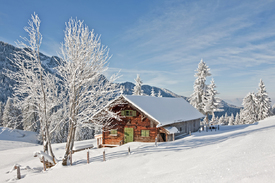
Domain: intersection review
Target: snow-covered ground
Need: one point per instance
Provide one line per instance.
(243, 153)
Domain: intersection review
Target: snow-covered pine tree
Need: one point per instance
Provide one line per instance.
(211, 103)
(249, 113)
(8, 114)
(213, 119)
(198, 97)
(231, 119)
(221, 120)
(237, 119)
(137, 89)
(273, 109)
(153, 92)
(30, 119)
(1, 113)
(159, 94)
(85, 59)
(225, 119)
(241, 121)
(263, 102)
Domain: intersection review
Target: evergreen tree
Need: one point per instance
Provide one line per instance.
(213, 119)
(137, 89)
(198, 98)
(212, 103)
(263, 102)
(8, 114)
(250, 109)
(225, 119)
(1, 113)
(231, 119)
(241, 121)
(159, 94)
(30, 119)
(199, 93)
(221, 120)
(273, 109)
(237, 119)
(153, 92)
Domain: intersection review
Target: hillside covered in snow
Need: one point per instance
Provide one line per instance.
(241, 153)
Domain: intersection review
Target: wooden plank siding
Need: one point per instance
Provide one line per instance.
(138, 123)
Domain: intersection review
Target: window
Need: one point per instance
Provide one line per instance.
(145, 133)
(113, 132)
(128, 113)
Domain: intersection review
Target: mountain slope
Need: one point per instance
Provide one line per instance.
(49, 63)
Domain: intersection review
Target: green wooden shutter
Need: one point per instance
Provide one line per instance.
(134, 113)
(122, 113)
(142, 133)
(147, 133)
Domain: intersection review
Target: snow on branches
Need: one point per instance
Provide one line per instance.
(137, 89)
(85, 59)
(204, 97)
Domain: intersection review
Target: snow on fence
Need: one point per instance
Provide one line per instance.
(45, 159)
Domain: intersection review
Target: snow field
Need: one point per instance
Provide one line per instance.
(241, 153)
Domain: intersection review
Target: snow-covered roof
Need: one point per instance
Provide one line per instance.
(164, 110)
(171, 129)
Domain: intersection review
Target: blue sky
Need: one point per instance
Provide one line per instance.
(164, 40)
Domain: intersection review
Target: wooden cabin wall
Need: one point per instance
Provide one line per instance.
(138, 123)
(185, 127)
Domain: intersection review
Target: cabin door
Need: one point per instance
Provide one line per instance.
(128, 135)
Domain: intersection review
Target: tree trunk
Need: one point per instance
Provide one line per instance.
(50, 145)
(207, 120)
(69, 144)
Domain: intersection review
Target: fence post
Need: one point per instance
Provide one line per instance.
(129, 150)
(156, 141)
(218, 127)
(88, 157)
(18, 171)
(190, 133)
(44, 164)
(104, 156)
(71, 158)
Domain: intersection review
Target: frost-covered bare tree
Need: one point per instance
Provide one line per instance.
(36, 89)
(263, 102)
(85, 59)
(137, 89)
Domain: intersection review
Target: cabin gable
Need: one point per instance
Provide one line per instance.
(144, 129)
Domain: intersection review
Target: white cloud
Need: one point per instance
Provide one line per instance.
(234, 38)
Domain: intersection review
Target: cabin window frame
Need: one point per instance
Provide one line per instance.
(113, 132)
(128, 113)
(145, 133)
